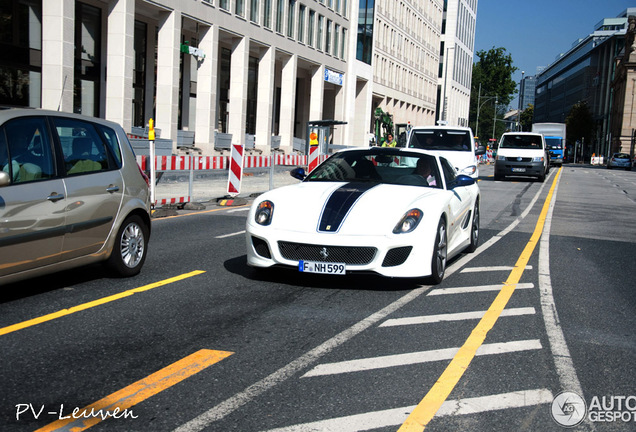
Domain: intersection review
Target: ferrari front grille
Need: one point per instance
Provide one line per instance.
(337, 254)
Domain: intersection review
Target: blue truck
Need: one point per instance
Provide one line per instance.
(554, 134)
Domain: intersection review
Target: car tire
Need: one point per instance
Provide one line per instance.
(498, 177)
(474, 230)
(440, 254)
(130, 249)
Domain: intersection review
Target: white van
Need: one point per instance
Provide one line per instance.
(522, 154)
(452, 142)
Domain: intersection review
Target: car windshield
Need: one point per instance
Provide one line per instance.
(554, 143)
(521, 141)
(435, 139)
(380, 166)
(621, 156)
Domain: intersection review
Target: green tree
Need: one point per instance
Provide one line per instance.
(493, 72)
(526, 118)
(580, 127)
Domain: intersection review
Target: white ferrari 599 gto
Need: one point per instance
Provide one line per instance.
(397, 212)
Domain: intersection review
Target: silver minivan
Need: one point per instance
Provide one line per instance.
(71, 193)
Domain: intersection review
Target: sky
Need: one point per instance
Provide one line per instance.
(535, 32)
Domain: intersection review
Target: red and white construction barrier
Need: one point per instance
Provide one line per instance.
(236, 170)
(209, 163)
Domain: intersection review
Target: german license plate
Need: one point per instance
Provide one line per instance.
(518, 170)
(322, 268)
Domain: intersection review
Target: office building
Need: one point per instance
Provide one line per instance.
(456, 61)
(253, 71)
(584, 74)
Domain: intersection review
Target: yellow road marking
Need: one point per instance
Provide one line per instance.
(104, 300)
(116, 404)
(437, 395)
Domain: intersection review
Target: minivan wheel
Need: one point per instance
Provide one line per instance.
(130, 250)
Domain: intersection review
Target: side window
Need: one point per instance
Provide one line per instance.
(29, 155)
(110, 136)
(83, 148)
(449, 171)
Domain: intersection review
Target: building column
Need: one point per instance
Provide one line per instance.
(317, 95)
(207, 84)
(265, 99)
(237, 109)
(120, 62)
(288, 102)
(58, 24)
(168, 52)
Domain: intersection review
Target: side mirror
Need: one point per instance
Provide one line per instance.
(462, 180)
(5, 179)
(298, 173)
(480, 150)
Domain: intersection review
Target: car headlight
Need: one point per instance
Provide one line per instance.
(409, 222)
(537, 159)
(469, 170)
(264, 213)
(501, 158)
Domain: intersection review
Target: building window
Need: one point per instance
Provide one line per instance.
(343, 42)
(336, 40)
(224, 4)
(301, 23)
(280, 13)
(239, 8)
(252, 92)
(321, 26)
(139, 74)
(88, 41)
(224, 89)
(267, 13)
(254, 4)
(328, 42)
(21, 47)
(365, 31)
(290, 18)
(310, 29)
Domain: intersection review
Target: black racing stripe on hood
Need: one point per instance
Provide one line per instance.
(340, 203)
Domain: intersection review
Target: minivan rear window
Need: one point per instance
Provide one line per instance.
(452, 140)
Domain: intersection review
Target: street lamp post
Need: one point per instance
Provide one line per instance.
(494, 118)
(479, 105)
(521, 94)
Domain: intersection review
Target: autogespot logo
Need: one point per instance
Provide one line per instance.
(568, 409)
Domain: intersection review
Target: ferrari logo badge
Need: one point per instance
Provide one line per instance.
(324, 253)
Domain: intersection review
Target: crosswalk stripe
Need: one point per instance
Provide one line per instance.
(396, 416)
(417, 357)
(460, 316)
(475, 289)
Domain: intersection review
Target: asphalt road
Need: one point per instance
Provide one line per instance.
(198, 341)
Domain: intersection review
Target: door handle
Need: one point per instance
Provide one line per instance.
(112, 189)
(55, 197)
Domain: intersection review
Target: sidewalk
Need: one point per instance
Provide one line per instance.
(210, 186)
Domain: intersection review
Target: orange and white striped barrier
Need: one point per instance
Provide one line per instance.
(236, 170)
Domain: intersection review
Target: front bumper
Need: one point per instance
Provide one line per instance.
(392, 256)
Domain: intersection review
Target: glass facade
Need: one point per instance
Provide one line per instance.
(21, 47)
(88, 54)
(364, 49)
